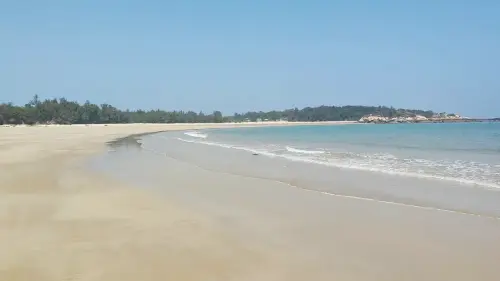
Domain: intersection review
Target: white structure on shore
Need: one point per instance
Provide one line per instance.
(446, 116)
(382, 119)
(411, 119)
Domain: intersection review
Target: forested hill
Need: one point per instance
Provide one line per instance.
(330, 113)
(62, 111)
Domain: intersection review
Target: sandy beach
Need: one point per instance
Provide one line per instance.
(61, 220)
(58, 221)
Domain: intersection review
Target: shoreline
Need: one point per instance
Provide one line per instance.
(310, 230)
(62, 220)
(313, 177)
(451, 121)
(224, 125)
(493, 186)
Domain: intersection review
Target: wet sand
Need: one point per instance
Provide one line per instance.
(348, 225)
(143, 216)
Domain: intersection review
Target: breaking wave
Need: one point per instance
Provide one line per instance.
(457, 171)
(196, 135)
(295, 150)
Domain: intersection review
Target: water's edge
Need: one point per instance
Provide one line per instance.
(149, 150)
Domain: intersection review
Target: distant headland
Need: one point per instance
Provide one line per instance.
(63, 111)
(410, 117)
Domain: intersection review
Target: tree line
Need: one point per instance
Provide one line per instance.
(62, 111)
(330, 113)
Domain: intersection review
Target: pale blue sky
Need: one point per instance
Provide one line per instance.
(255, 54)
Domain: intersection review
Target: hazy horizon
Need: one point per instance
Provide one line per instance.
(254, 56)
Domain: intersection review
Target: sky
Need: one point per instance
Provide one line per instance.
(237, 56)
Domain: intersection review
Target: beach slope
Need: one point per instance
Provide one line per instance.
(59, 220)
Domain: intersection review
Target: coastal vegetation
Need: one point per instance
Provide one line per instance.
(63, 111)
(330, 113)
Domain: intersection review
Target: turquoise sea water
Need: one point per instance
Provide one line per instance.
(466, 152)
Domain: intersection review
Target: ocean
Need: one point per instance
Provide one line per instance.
(468, 153)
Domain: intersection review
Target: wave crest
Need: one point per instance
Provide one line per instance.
(295, 150)
(196, 135)
(374, 166)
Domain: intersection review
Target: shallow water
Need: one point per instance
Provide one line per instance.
(466, 152)
(152, 157)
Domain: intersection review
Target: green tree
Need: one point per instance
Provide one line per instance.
(218, 117)
(63, 111)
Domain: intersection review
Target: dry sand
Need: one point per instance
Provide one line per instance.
(59, 221)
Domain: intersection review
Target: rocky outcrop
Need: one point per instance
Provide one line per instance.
(438, 118)
(382, 119)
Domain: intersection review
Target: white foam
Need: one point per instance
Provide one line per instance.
(349, 165)
(196, 135)
(295, 150)
(341, 195)
(263, 152)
